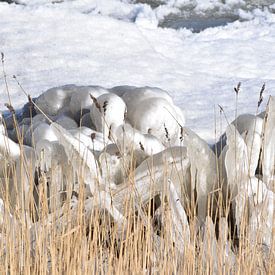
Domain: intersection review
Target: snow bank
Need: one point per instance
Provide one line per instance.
(55, 44)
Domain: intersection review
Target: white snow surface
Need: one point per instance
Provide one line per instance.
(113, 42)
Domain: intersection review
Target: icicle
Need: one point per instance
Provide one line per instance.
(2, 213)
(17, 175)
(218, 256)
(250, 128)
(261, 203)
(226, 256)
(112, 168)
(236, 160)
(203, 169)
(268, 160)
(236, 164)
(210, 245)
(170, 164)
(79, 155)
(179, 218)
(251, 196)
(2, 127)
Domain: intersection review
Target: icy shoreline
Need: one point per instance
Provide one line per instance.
(99, 148)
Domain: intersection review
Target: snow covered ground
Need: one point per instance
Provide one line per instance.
(111, 42)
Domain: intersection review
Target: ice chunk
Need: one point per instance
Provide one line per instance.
(252, 201)
(250, 128)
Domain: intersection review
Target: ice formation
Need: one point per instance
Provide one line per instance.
(134, 143)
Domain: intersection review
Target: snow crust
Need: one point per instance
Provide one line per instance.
(111, 42)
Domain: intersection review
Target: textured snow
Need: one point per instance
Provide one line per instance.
(111, 43)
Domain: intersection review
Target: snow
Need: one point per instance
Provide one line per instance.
(113, 42)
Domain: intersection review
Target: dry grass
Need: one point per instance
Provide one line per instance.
(40, 238)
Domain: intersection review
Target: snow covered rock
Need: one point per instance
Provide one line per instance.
(55, 100)
(86, 121)
(107, 113)
(8, 148)
(158, 117)
(132, 141)
(66, 122)
(42, 131)
(92, 139)
(149, 109)
(132, 95)
(81, 101)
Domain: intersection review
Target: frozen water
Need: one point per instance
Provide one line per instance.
(202, 14)
(196, 23)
